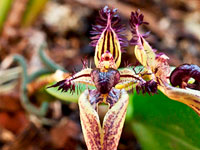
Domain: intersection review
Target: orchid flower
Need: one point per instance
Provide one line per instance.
(111, 84)
(157, 66)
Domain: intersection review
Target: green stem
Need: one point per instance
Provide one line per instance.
(47, 61)
(28, 106)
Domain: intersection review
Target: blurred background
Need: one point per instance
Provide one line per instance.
(64, 26)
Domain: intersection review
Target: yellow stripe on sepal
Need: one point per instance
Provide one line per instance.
(108, 41)
(145, 54)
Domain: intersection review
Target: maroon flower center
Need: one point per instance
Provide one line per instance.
(104, 81)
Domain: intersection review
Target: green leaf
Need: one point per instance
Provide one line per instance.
(67, 96)
(163, 124)
(130, 109)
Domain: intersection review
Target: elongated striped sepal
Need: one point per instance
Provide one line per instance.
(143, 51)
(113, 122)
(70, 83)
(107, 36)
(105, 137)
(90, 122)
(155, 63)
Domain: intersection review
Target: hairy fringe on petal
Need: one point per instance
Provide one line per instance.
(65, 85)
(72, 84)
(149, 87)
(135, 21)
(101, 22)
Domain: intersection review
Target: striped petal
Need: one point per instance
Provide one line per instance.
(113, 122)
(105, 137)
(90, 123)
(107, 36)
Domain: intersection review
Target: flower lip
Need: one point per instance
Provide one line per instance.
(181, 75)
(104, 81)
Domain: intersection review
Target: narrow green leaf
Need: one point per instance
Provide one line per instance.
(4, 8)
